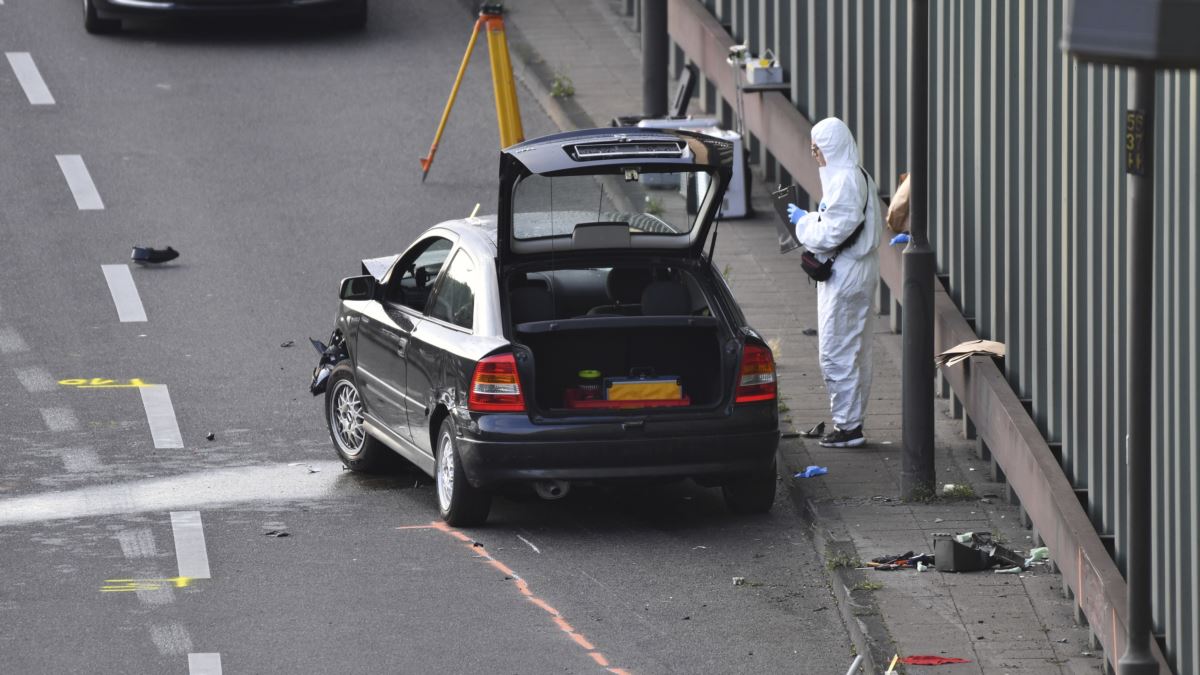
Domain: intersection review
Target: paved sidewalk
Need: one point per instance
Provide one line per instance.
(1001, 623)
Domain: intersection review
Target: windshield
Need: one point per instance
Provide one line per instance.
(654, 203)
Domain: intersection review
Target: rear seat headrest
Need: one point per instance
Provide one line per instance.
(625, 284)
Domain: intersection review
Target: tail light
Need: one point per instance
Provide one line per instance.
(495, 386)
(757, 381)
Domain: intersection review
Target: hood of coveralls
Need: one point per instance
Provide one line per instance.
(836, 142)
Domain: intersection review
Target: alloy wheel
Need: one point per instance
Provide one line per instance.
(346, 417)
(445, 473)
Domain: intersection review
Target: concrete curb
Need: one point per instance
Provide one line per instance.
(860, 612)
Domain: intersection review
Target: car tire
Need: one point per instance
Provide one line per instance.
(459, 503)
(93, 24)
(357, 449)
(753, 493)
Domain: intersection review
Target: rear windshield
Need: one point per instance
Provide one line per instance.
(655, 203)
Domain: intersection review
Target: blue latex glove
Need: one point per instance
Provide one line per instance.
(795, 213)
(812, 471)
(901, 238)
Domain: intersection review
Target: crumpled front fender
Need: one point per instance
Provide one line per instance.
(331, 355)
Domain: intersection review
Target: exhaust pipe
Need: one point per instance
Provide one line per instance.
(551, 489)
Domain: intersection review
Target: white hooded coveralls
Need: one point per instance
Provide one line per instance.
(844, 317)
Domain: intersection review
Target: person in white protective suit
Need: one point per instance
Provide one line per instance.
(844, 317)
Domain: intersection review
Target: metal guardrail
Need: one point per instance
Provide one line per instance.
(1026, 213)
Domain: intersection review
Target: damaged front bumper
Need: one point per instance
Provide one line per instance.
(331, 355)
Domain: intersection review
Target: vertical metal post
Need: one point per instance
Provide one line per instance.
(1139, 165)
(917, 469)
(655, 48)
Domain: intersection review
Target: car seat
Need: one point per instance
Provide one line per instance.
(530, 301)
(624, 286)
(666, 298)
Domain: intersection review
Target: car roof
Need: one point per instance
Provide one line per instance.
(477, 233)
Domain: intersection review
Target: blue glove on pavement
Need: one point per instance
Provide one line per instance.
(812, 471)
(901, 238)
(795, 213)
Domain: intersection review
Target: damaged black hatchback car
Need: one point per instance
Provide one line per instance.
(581, 334)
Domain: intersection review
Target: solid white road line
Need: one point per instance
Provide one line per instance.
(204, 664)
(31, 80)
(80, 182)
(161, 416)
(60, 419)
(11, 342)
(35, 379)
(124, 293)
(189, 544)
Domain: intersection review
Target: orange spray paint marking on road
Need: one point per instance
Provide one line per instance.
(523, 587)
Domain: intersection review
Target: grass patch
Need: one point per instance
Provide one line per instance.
(959, 491)
(866, 586)
(562, 86)
(835, 561)
(923, 494)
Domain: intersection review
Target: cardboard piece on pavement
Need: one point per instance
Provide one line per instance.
(966, 350)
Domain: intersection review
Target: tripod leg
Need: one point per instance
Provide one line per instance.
(508, 112)
(427, 161)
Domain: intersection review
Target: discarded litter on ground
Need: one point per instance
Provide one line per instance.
(815, 432)
(930, 660)
(812, 471)
(145, 254)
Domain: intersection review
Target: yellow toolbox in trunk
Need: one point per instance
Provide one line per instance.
(643, 389)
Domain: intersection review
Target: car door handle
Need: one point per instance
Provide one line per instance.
(401, 343)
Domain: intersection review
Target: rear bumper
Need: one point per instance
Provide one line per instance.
(116, 9)
(510, 448)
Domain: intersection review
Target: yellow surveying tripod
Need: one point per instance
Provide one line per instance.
(508, 114)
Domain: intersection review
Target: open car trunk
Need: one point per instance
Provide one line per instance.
(633, 350)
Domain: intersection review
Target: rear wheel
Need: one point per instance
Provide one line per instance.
(459, 502)
(753, 493)
(93, 24)
(358, 450)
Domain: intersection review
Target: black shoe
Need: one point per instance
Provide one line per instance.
(843, 438)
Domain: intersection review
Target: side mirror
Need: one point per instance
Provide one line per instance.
(357, 288)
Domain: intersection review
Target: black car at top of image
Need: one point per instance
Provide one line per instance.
(106, 16)
(582, 334)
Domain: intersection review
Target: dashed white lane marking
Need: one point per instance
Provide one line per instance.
(31, 80)
(161, 416)
(189, 544)
(81, 460)
(59, 419)
(35, 379)
(124, 293)
(171, 639)
(204, 664)
(80, 182)
(137, 543)
(11, 342)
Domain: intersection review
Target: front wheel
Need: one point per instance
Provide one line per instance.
(753, 493)
(459, 502)
(357, 449)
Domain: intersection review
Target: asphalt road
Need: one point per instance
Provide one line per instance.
(274, 156)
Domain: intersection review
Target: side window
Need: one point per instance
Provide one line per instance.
(455, 300)
(412, 278)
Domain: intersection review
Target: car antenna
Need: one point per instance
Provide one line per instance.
(473, 212)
